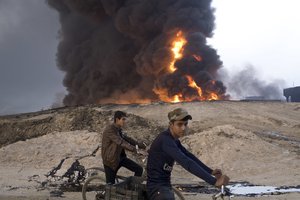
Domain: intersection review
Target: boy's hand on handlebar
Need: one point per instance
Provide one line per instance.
(217, 173)
(222, 180)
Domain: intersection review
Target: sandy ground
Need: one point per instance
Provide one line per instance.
(76, 195)
(256, 142)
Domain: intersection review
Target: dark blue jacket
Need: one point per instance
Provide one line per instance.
(164, 150)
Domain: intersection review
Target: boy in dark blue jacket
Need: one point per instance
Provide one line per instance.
(165, 150)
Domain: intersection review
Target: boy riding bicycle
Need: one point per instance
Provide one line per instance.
(114, 143)
(165, 150)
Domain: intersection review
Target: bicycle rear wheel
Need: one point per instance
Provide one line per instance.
(98, 171)
(94, 188)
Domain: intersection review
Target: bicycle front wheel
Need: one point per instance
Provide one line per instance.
(94, 188)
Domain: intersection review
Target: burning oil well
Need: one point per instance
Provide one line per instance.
(136, 51)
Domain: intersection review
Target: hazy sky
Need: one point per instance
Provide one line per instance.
(263, 33)
(29, 78)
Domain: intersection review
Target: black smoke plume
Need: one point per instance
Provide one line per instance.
(118, 50)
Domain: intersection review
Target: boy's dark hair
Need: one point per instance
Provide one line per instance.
(119, 115)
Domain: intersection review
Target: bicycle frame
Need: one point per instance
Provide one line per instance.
(142, 160)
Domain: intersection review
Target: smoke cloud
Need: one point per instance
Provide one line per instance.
(246, 83)
(116, 51)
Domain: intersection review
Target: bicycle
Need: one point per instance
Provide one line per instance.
(98, 186)
(95, 186)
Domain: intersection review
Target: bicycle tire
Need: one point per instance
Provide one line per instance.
(93, 186)
(98, 170)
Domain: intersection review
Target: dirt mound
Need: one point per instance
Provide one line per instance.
(242, 154)
(25, 126)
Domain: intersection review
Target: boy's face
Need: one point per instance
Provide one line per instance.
(121, 122)
(179, 128)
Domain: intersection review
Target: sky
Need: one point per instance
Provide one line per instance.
(261, 33)
(29, 78)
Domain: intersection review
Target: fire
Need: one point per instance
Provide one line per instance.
(198, 58)
(163, 94)
(201, 96)
(210, 97)
(176, 98)
(193, 84)
(177, 49)
(178, 44)
(213, 97)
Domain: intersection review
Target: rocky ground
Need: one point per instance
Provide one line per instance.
(255, 142)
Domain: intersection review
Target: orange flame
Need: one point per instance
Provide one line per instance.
(176, 99)
(193, 84)
(198, 58)
(213, 97)
(177, 49)
(163, 94)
